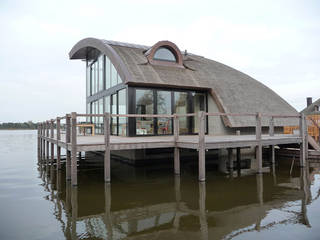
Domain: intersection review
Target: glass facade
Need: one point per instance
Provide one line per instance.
(101, 75)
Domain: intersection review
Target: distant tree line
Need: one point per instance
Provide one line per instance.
(24, 125)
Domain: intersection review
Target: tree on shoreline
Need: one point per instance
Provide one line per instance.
(24, 125)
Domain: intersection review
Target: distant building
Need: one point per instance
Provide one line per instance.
(128, 78)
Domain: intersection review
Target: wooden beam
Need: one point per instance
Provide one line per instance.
(107, 153)
(259, 144)
(201, 148)
(238, 156)
(271, 147)
(68, 153)
(176, 149)
(58, 147)
(74, 175)
(47, 135)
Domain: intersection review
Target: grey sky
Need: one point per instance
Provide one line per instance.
(276, 42)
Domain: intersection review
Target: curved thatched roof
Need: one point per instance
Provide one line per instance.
(234, 91)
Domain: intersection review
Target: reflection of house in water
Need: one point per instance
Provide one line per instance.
(167, 209)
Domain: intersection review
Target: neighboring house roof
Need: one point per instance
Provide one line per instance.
(311, 109)
(233, 91)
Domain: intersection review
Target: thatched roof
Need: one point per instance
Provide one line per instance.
(233, 91)
(310, 110)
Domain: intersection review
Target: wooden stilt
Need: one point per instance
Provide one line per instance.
(68, 154)
(43, 141)
(260, 188)
(259, 144)
(303, 141)
(271, 147)
(202, 150)
(238, 156)
(38, 143)
(47, 142)
(58, 147)
(74, 216)
(203, 213)
(176, 149)
(74, 174)
(52, 144)
(107, 153)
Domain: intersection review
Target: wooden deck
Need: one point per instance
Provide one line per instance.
(96, 143)
(201, 142)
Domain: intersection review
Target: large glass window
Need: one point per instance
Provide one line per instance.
(122, 96)
(114, 111)
(199, 103)
(114, 74)
(88, 81)
(164, 107)
(100, 72)
(108, 73)
(144, 105)
(164, 54)
(181, 107)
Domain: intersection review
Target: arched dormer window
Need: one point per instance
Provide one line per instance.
(164, 54)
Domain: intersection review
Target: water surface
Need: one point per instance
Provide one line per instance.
(150, 203)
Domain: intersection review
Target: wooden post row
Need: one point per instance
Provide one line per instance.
(259, 143)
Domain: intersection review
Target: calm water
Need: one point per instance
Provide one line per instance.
(146, 203)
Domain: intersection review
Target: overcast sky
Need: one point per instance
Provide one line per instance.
(276, 42)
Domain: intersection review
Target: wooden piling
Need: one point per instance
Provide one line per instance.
(271, 147)
(52, 144)
(38, 142)
(68, 153)
(303, 140)
(47, 135)
(259, 144)
(43, 141)
(238, 156)
(201, 148)
(107, 153)
(176, 149)
(74, 175)
(58, 147)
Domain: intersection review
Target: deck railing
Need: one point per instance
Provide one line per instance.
(46, 131)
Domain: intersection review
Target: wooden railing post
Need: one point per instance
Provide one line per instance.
(303, 140)
(259, 143)
(52, 137)
(176, 149)
(201, 149)
(58, 142)
(107, 153)
(230, 160)
(68, 138)
(74, 175)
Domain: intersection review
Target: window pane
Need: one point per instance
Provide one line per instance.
(107, 104)
(92, 79)
(119, 79)
(122, 95)
(114, 111)
(96, 76)
(144, 105)
(108, 73)
(181, 107)
(114, 80)
(100, 70)
(164, 54)
(164, 107)
(88, 81)
(199, 105)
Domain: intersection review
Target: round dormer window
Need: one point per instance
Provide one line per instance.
(164, 54)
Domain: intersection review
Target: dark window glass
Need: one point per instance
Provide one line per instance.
(144, 105)
(181, 107)
(199, 103)
(164, 107)
(108, 73)
(164, 54)
(114, 111)
(100, 72)
(122, 96)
